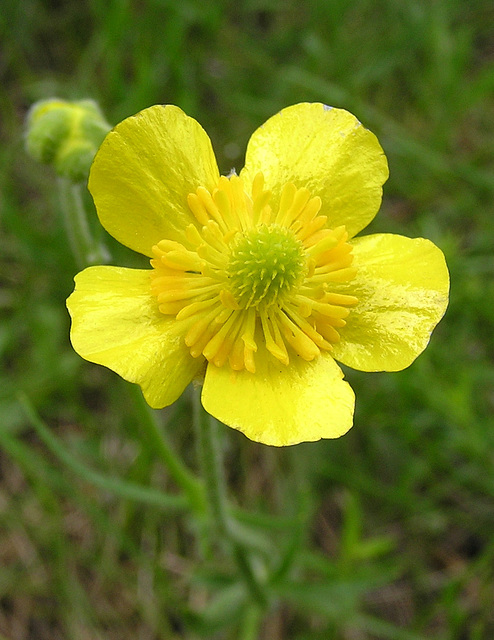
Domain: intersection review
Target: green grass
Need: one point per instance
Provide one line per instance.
(386, 533)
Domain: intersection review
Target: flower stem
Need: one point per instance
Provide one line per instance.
(123, 488)
(214, 478)
(244, 564)
(85, 250)
(250, 623)
(212, 471)
(155, 435)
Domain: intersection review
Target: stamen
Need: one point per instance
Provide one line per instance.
(257, 185)
(273, 339)
(255, 283)
(210, 207)
(308, 233)
(196, 308)
(287, 195)
(242, 204)
(301, 343)
(196, 205)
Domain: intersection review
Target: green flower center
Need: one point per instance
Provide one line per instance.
(265, 265)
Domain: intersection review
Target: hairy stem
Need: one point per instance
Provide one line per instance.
(214, 478)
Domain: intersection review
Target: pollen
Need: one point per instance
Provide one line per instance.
(254, 280)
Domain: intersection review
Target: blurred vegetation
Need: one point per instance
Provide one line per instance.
(386, 533)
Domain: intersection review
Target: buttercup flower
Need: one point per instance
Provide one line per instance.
(257, 281)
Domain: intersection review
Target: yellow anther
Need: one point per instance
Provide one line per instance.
(255, 283)
(196, 205)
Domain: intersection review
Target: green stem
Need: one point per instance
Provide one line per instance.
(155, 435)
(86, 251)
(244, 564)
(300, 495)
(122, 488)
(250, 623)
(210, 455)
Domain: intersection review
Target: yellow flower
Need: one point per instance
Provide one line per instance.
(258, 283)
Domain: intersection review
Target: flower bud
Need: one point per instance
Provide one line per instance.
(66, 135)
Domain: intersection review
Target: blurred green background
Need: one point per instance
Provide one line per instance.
(396, 537)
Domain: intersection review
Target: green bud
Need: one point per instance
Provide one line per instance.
(66, 135)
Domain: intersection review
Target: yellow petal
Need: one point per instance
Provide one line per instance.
(402, 287)
(281, 405)
(143, 172)
(327, 151)
(116, 323)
